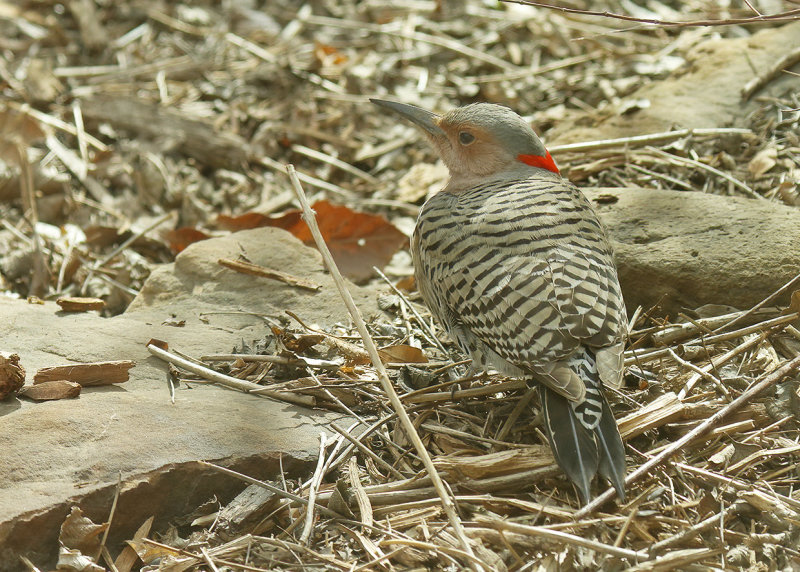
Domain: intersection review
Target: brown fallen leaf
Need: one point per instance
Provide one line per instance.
(180, 238)
(242, 222)
(87, 374)
(407, 284)
(51, 390)
(12, 374)
(74, 560)
(80, 304)
(358, 241)
(402, 353)
(106, 236)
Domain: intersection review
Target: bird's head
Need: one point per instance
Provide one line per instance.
(477, 140)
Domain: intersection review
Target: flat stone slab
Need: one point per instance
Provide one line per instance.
(685, 249)
(59, 453)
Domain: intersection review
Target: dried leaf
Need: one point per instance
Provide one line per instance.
(242, 222)
(402, 353)
(358, 241)
(421, 181)
(180, 238)
(128, 557)
(16, 128)
(79, 532)
(763, 161)
(789, 194)
(299, 343)
(724, 456)
(794, 303)
(407, 284)
(76, 561)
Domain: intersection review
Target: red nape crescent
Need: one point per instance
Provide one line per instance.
(545, 162)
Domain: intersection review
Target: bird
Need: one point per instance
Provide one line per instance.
(513, 261)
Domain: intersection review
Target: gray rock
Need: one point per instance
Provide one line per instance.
(685, 249)
(197, 283)
(59, 453)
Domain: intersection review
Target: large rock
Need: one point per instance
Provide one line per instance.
(199, 283)
(685, 249)
(60, 453)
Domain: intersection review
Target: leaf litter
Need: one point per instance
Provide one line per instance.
(136, 142)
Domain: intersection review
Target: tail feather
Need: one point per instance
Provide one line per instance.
(584, 436)
(612, 451)
(574, 446)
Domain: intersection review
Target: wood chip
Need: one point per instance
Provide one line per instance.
(87, 374)
(80, 304)
(51, 390)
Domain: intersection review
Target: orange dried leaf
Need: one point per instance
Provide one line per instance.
(358, 241)
(407, 284)
(180, 238)
(242, 222)
(402, 353)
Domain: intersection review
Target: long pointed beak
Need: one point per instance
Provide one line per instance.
(418, 116)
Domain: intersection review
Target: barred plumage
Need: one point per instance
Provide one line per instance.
(513, 261)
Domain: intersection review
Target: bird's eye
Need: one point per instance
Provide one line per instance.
(465, 137)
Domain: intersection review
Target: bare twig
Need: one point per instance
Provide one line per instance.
(228, 381)
(422, 323)
(636, 140)
(790, 284)
(312, 491)
(256, 270)
(564, 537)
(787, 16)
(364, 449)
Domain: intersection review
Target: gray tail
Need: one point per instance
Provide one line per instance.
(574, 446)
(584, 437)
(612, 451)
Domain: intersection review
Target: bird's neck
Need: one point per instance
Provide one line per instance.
(465, 180)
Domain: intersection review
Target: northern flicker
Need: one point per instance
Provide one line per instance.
(513, 261)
